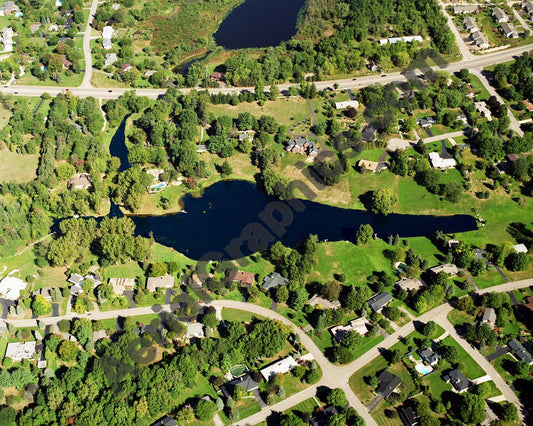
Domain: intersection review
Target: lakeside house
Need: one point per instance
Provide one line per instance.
(80, 181)
(379, 301)
(316, 300)
(274, 280)
(437, 162)
(120, 285)
(489, 317)
(217, 76)
(18, 351)
(347, 104)
(340, 331)
(280, 367)
(458, 380)
(10, 287)
(198, 280)
(245, 278)
(165, 281)
(388, 383)
(301, 145)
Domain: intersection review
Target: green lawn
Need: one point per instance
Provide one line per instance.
(246, 406)
(467, 365)
(489, 279)
(17, 168)
(230, 314)
(307, 406)
(504, 365)
(458, 318)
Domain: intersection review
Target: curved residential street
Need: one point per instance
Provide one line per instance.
(333, 376)
(86, 83)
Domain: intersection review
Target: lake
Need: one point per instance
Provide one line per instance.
(259, 23)
(226, 222)
(118, 148)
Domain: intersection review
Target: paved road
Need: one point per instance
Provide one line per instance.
(463, 48)
(86, 83)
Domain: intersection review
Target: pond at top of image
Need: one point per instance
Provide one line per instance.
(259, 23)
(226, 222)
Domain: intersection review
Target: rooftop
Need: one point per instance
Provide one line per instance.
(280, 367)
(378, 301)
(274, 280)
(388, 383)
(165, 281)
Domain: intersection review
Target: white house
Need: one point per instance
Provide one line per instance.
(481, 107)
(346, 104)
(7, 39)
(10, 288)
(120, 285)
(20, 350)
(520, 248)
(437, 162)
(195, 329)
(280, 367)
(107, 35)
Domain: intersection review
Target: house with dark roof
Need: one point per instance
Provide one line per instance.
(509, 30)
(428, 355)
(499, 15)
(246, 382)
(322, 417)
(378, 301)
(489, 317)
(520, 352)
(470, 25)
(274, 280)
(369, 134)
(426, 122)
(458, 380)
(301, 145)
(166, 421)
(388, 383)
(409, 417)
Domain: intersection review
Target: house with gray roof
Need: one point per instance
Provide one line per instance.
(520, 352)
(458, 380)
(246, 382)
(388, 383)
(509, 30)
(428, 355)
(499, 15)
(470, 25)
(369, 134)
(274, 280)
(489, 317)
(378, 301)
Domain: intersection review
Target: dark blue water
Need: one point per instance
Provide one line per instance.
(117, 147)
(259, 23)
(225, 223)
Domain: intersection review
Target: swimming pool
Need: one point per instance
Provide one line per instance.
(158, 186)
(423, 369)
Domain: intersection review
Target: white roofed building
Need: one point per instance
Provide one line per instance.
(280, 367)
(437, 162)
(20, 350)
(10, 288)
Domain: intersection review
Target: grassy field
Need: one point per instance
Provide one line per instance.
(286, 111)
(5, 115)
(307, 406)
(230, 314)
(458, 318)
(467, 365)
(17, 167)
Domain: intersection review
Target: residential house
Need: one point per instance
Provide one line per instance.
(520, 352)
(481, 107)
(499, 15)
(462, 118)
(195, 330)
(346, 104)
(479, 40)
(166, 421)
(246, 135)
(322, 417)
(198, 280)
(99, 335)
(80, 181)
(453, 243)
(124, 69)
(280, 367)
(166, 281)
(405, 39)
(20, 350)
(120, 285)
(245, 278)
(426, 122)
(489, 317)
(388, 383)
(369, 134)
(75, 279)
(201, 148)
(107, 36)
(10, 287)
(274, 280)
(7, 39)
(9, 8)
(372, 66)
(437, 162)
(301, 145)
(115, 6)
(447, 268)
(470, 92)
(409, 417)
(458, 380)
(110, 59)
(379, 301)
(371, 166)
(66, 63)
(46, 292)
(528, 105)
(358, 325)
(246, 382)
(470, 25)
(316, 300)
(217, 76)
(479, 253)
(465, 9)
(428, 355)
(529, 7)
(409, 284)
(520, 248)
(509, 30)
